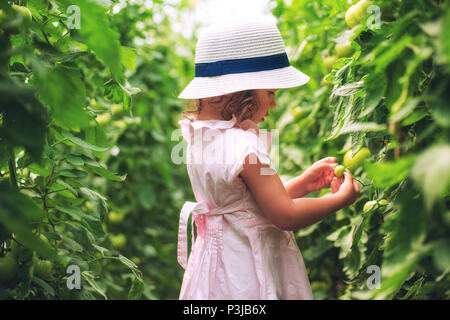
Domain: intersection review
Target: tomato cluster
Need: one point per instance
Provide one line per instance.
(352, 162)
(10, 263)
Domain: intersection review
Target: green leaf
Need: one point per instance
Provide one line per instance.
(108, 174)
(431, 172)
(90, 278)
(414, 288)
(375, 86)
(39, 170)
(95, 135)
(72, 173)
(392, 53)
(81, 142)
(128, 58)
(76, 161)
(405, 244)
(100, 37)
(48, 290)
(17, 211)
(136, 290)
(409, 107)
(68, 186)
(361, 126)
(386, 174)
(63, 90)
(348, 89)
(71, 244)
(92, 223)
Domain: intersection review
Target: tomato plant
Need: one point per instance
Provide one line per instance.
(381, 97)
(86, 121)
(76, 104)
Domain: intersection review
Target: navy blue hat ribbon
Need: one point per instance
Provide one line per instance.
(255, 64)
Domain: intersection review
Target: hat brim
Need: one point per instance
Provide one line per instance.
(205, 87)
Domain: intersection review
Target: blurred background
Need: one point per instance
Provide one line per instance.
(88, 106)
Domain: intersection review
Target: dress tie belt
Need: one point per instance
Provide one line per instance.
(199, 210)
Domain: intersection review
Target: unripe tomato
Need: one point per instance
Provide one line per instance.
(361, 9)
(115, 217)
(116, 108)
(350, 17)
(103, 118)
(357, 160)
(329, 62)
(339, 171)
(8, 268)
(118, 241)
(383, 202)
(119, 124)
(299, 112)
(369, 205)
(344, 49)
(43, 269)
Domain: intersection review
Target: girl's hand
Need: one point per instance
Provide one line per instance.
(346, 188)
(320, 174)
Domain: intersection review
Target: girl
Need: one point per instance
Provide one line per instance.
(244, 214)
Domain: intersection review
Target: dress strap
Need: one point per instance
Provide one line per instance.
(199, 210)
(189, 208)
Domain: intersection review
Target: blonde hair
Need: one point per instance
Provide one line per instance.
(243, 104)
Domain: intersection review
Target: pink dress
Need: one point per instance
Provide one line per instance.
(238, 253)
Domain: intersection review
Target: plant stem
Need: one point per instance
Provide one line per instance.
(12, 169)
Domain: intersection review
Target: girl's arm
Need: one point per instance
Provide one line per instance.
(295, 187)
(293, 214)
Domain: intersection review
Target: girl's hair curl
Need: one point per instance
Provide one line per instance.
(243, 104)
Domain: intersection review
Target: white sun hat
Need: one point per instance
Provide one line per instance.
(241, 55)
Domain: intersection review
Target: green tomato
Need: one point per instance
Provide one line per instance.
(383, 202)
(357, 160)
(103, 118)
(361, 9)
(369, 205)
(118, 241)
(329, 62)
(115, 217)
(8, 268)
(43, 269)
(350, 17)
(299, 112)
(339, 171)
(344, 49)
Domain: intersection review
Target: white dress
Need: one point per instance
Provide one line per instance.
(238, 253)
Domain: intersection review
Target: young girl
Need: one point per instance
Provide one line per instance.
(244, 214)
